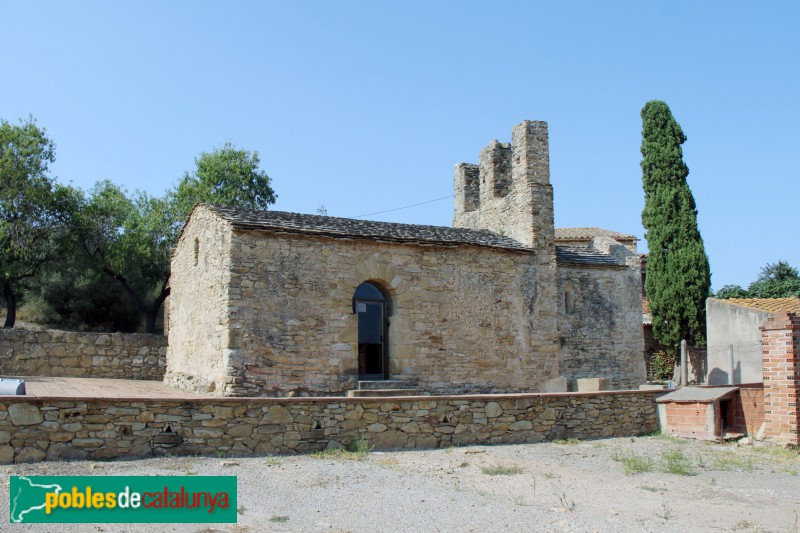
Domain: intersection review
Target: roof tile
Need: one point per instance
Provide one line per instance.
(771, 305)
(335, 227)
(587, 234)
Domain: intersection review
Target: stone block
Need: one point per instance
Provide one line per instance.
(29, 455)
(493, 410)
(558, 384)
(24, 414)
(6, 454)
(592, 384)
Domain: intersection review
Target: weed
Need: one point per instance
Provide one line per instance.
(634, 464)
(356, 450)
(730, 461)
(701, 461)
(746, 525)
(279, 519)
(221, 454)
(272, 460)
(550, 475)
(241, 509)
(388, 462)
(358, 446)
(566, 502)
(653, 489)
(665, 513)
(663, 365)
(676, 463)
(520, 501)
(571, 441)
(501, 470)
(669, 438)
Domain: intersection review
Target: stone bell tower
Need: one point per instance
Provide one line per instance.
(509, 193)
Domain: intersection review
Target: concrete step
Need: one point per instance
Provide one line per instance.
(382, 393)
(386, 384)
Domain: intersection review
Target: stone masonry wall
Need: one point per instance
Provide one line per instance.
(462, 319)
(198, 302)
(509, 193)
(600, 325)
(79, 354)
(34, 430)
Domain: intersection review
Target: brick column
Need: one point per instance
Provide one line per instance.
(780, 337)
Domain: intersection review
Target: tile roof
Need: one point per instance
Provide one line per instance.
(335, 227)
(771, 305)
(587, 234)
(250, 219)
(578, 255)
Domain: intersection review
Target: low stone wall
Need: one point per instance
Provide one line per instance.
(76, 354)
(38, 429)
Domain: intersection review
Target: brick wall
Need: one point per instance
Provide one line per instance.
(691, 419)
(781, 362)
(746, 412)
(80, 354)
(87, 428)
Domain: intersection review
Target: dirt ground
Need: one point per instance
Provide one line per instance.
(643, 484)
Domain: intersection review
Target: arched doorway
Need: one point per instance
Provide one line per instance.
(369, 303)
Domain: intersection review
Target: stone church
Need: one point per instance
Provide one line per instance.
(267, 303)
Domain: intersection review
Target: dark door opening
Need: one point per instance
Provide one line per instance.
(369, 304)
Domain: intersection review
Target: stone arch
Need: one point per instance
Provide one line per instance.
(372, 306)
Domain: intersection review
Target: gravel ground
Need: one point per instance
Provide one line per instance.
(566, 486)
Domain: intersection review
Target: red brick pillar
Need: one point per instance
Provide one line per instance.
(780, 337)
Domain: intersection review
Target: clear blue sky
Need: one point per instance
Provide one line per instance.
(366, 106)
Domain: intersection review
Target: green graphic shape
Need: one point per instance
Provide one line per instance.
(123, 499)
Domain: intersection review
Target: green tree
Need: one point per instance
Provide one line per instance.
(131, 238)
(35, 211)
(225, 176)
(778, 280)
(731, 291)
(678, 275)
(775, 280)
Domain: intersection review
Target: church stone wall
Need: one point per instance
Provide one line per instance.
(200, 327)
(600, 324)
(462, 319)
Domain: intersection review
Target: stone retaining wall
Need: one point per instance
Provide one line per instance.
(38, 429)
(77, 354)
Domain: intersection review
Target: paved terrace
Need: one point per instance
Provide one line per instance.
(97, 388)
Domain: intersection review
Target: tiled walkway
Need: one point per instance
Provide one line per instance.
(43, 387)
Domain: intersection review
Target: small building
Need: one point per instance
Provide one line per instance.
(734, 336)
(267, 303)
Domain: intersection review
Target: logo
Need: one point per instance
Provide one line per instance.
(122, 499)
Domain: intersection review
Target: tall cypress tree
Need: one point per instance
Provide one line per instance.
(678, 276)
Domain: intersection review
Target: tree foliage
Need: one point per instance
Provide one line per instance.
(225, 176)
(114, 246)
(130, 237)
(678, 275)
(731, 291)
(34, 209)
(776, 280)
